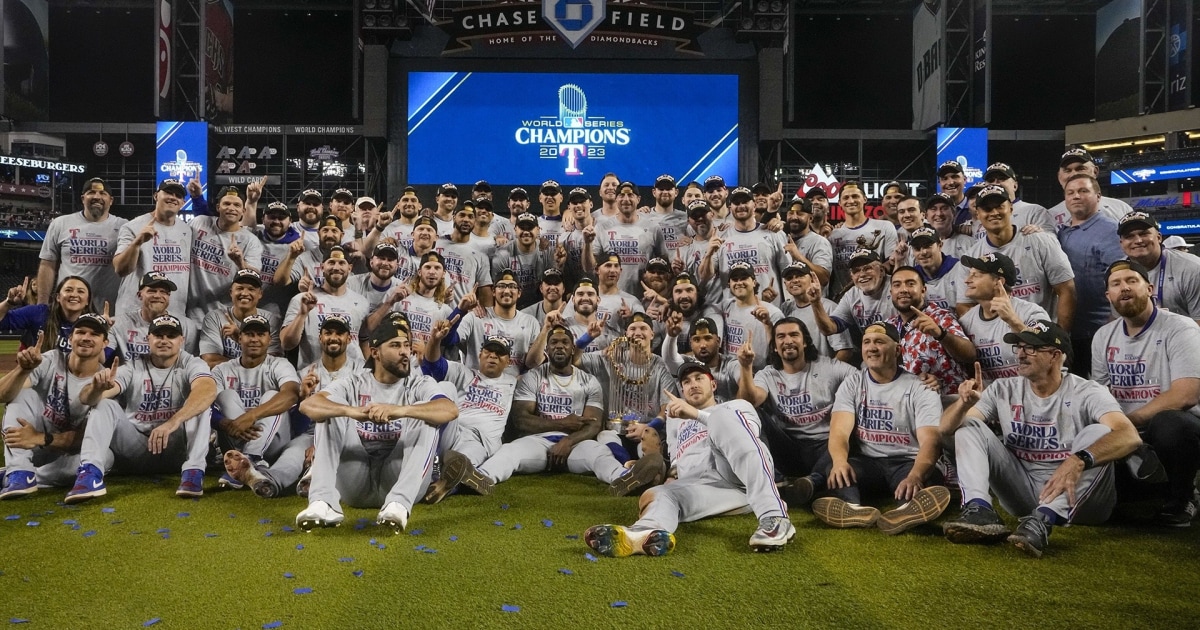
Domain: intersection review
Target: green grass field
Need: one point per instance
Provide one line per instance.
(224, 561)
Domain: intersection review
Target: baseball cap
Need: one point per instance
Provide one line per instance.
(815, 192)
(973, 191)
(660, 264)
(741, 269)
(157, 279)
(1043, 333)
(883, 328)
(93, 321)
(252, 322)
(585, 282)
(336, 320)
(344, 194)
(498, 344)
(991, 196)
(862, 256)
(923, 236)
(1075, 155)
(335, 253)
(608, 257)
(386, 250)
(705, 325)
(368, 200)
(552, 276)
(483, 203)
(641, 317)
(683, 278)
(507, 275)
(740, 194)
(174, 187)
(432, 256)
(518, 193)
(550, 187)
(482, 186)
(1136, 221)
(561, 328)
(1131, 265)
(698, 208)
(1172, 242)
(796, 268)
(714, 182)
(1000, 168)
(96, 183)
(578, 195)
(949, 166)
(799, 202)
(247, 276)
(527, 220)
(426, 221)
(329, 220)
(632, 187)
(892, 184)
(936, 199)
(165, 323)
(760, 188)
(277, 208)
(230, 191)
(690, 366)
(388, 330)
(994, 263)
(408, 190)
(448, 190)
(311, 193)
(665, 182)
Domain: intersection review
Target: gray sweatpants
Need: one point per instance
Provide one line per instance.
(286, 470)
(50, 467)
(740, 480)
(985, 464)
(528, 455)
(274, 431)
(466, 440)
(343, 469)
(111, 438)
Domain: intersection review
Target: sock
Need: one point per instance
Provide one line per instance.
(1049, 516)
(981, 503)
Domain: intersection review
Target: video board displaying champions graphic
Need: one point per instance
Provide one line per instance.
(517, 128)
(181, 152)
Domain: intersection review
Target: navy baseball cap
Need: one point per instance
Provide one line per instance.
(862, 256)
(714, 182)
(247, 276)
(949, 166)
(994, 263)
(157, 279)
(173, 187)
(498, 344)
(924, 236)
(336, 320)
(255, 322)
(165, 323)
(693, 366)
(92, 321)
(1043, 333)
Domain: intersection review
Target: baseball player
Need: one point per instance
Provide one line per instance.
(941, 273)
(218, 333)
(865, 303)
(1074, 162)
(1174, 275)
(302, 323)
(220, 248)
(502, 319)
(1023, 212)
(376, 436)
(995, 314)
(1050, 465)
(82, 244)
(932, 341)
(1149, 359)
(129, 335)
(277, 235)
(467, 270)
(304, 267)
(704, 344)
(745, 313)
(857, 233)
(747, 243)
(805, 245)
(165, 390)
(721, 465)
(158, 241)
(803, 285)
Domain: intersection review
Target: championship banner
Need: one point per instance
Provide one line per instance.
(929, 78)
(218, 60)
(968, 147)
(1179, 59)
(571, 22)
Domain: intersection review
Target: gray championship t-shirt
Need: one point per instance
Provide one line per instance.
(887, 415)
(805, 399)
(152, 395)
(169, 252)
(85, 249)
(1137, 369)
(361, 389)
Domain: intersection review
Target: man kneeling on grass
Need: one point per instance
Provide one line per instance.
(1050, 466)
(893, 419)
(375, 435)
(722, 467)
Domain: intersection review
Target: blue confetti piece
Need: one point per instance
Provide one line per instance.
(162, 530)
(74, 527)
(510, 608)
(166, 536)
(419, 548)
(566, 572)
(12, 517)
(288, 575)
(108, 510)
(431, 551)
(503, 506)
(572, 536)
(264, 521)
(304, 590)
(416, 532)
(345, 559)
(272, 625)
(70, 521)
(453, 538)
(33, 523)
(518, 526)
(619, 604)
(89, 533)
(151, 622)
(358, 573)
(210, 535)
(233, 516)
(590, 557)
(381, 547)
(182, 515)
(268, 534)
(17, 620)
(287, 528)
(677, 574)
(299, 547)
(117, 522)
(358, 527)
(498, 523)
(547, 523)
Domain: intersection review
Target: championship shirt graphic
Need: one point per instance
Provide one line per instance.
(572, 135)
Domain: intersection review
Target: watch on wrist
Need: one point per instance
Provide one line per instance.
(1088, 460)
(48, 439)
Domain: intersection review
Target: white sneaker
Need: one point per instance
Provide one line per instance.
(318, 514)
(393, 515)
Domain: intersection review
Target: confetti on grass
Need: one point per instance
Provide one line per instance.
(590, 557)
(345, 559)
(566, 572)
(108, 510)
(305, 590)
(288, 575)
(89, 533)
(498, 523)
(547, 523)
(416, 532)
(358, 573)
(13, 517)
(151, 622)
(510, 608)
(453, 538)
(33, 523)
(272, 625)
(572, 536)
(182, 515)
(677, 574)
(619, 604)
(17, 620)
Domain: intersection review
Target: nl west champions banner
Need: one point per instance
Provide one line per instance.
(523, 128)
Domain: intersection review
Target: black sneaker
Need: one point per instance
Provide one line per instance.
(797, 492)
(1145, 466)
(1177, 513)
(976, 524)
(1032, 535)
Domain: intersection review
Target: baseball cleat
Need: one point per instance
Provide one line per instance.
(798, 492)
(18, 483)
(305, 481)
(191, 483)
(393, 515)
(926, 505)
(477, 481)
(265, 487)
(455, 467)
(772, 534)
(650, 470)
(616, 541)
(976, 524)
(227, 482)
(318, 514)
(835, 512)
(241, 469)
(89, 484)
(1032, 535)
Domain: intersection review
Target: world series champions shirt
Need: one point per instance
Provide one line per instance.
(995, 356)
(483, 403)
(152, 395)
(1138, 368)
(85, 248)
(212, 268)
(688, 441)
(169, 252)
(128, 335)
(466, 268)
(556, 397)
(350, 304)
(59, 389)
(361, 389)
(805, 399)
(250, 383)
(1041, 430)
(887, 415)
(1041, 264)
(213, 342)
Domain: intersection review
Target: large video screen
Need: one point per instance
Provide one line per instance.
(525, 128)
